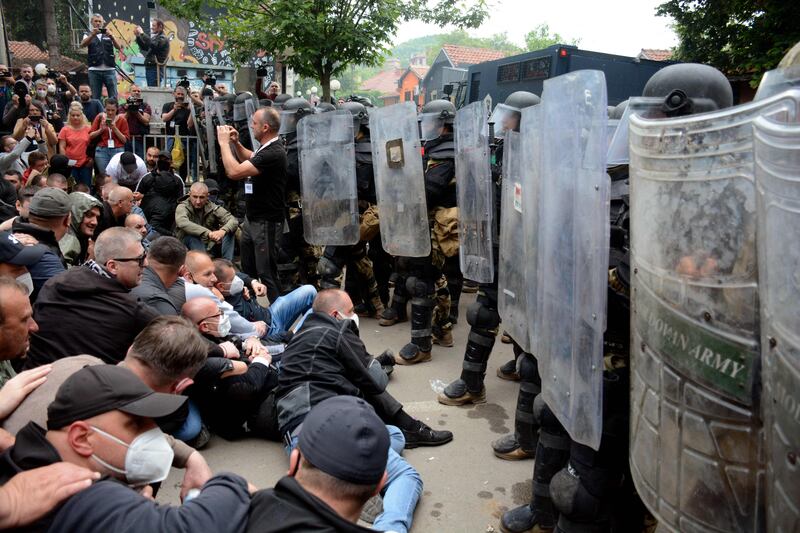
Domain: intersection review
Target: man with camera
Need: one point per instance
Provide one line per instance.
(6, 92)
(101, 60)
(19, 99)
(156, 49)
(53, 109)
(138, 114)
(178, 120)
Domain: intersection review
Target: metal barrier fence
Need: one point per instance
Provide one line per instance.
(190, 170)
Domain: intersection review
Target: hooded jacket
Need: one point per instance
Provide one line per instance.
(83, 312)
(199, 222)
(161, 191)
(74, 245)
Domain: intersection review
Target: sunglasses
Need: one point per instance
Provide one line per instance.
(219, 314)
(141, 259)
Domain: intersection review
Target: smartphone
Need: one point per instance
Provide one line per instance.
(108, 122)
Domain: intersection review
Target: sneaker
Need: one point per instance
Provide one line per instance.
(387, 362)
(201, 440)
(509, 449)
(425, 436)
(524, 520)
(457, 394)
(372, 509)
(508, 371)
(410, 354)
(443, 338)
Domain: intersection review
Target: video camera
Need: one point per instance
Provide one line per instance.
(134, 104)
(21, 89)
(184, 83)
(102, 30)
(209, 78)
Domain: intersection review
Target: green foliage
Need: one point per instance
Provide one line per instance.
(540, 37)
(25, 22)
(739, 37)
(320, 38)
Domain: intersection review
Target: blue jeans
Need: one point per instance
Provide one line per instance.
(196, 243)
(102, 156)
(286, 309)
(83, 175)
(136, 145)
(153, 79)
(98, 78)
(402, 489)
(192, 426)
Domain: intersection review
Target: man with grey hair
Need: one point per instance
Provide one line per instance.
(89, 309)
(118, 206)
(203, 225)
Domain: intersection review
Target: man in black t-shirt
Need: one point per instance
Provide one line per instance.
(264, 172)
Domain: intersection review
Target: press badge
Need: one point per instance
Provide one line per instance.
(110, 142)
(248, 187)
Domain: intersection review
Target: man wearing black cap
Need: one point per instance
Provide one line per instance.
(126, 169)
(49, 216)
(102, 419)
(161, 189)
(338, 464)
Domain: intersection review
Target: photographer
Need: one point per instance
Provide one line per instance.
(44, 133)
(6, 92)
(59, 88)
(100, 58)
(156, 49)
(110, 131)
(138, 114)
(178, 119)
(17, 107)
(53, 109)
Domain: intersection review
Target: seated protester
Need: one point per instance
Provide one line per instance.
(279, 316)
(59, 164)
(326, 358)
(14, 177)
(89, 309)
(338, 464)
(23, 204)
(11, 151)
(166, 356)
(126, 169)
(118, 206)
(78, 244)
(37, 164)
(162, 288)
(234, 384)
(203, 225)
(162, 190)
(101, 419)
(138, 224)
(15, 309)
(8, 200)
(200, 279)
(213, 192)
(57, 181)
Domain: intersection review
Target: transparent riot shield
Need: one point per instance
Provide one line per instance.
(250, 107)
(219, 109)
(778, 80)
(695, 426)
(618, 144)
(399, 180)
(572, 263)
(211, 133)
(328, 178)
(777, 167)
(511, 276)
(475, 191)
(203, 153)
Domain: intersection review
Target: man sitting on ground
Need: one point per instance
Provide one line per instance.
(138, 224)
(162, 288)
(115, 209)
(57, 181)
(78, 244)
(202, 225)
(126, 169)
(338, 464)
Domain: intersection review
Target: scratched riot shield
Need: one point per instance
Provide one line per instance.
(328, 178)
(777, 167)
(572, 258)
(399, 180)
(695, 435)
(618, 144)
(511, 276)
(250, 108)
(475, 191)
(211, 133)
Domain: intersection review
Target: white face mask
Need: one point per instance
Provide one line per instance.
(148, 459)
(224, 326)
(26, 280)
(353, 317)
(51, 89)
(41, 93)
(237, 285)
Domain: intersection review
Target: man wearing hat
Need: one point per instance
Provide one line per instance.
(49, 216)
(161, 189)
(102, 420)
(126, 169)
(203, 225)
(338, 464)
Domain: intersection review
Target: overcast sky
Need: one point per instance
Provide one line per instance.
(613, 26)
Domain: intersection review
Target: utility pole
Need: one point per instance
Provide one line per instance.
(51, 32)
(5, 57)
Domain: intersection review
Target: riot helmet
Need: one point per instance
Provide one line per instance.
(293, 110)
(239, 109)
(224, 107)
(434, 116)
(782, 78)
(324, 107)
(359, 112)
(690, 88)
(619, 110)
(506, 116)
(281, 99)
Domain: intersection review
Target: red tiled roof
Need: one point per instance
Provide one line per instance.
(25, 52)
(655, 54)
(464, 56)
(384, 82)
(417, 70)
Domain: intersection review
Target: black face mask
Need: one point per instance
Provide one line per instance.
(164, 164)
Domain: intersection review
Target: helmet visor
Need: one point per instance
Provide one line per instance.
(239, 112)
(505, 118)
(431, 126)
(288, 122)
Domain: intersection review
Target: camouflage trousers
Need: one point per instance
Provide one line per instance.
(299, 263)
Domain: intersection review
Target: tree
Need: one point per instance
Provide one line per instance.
(739, 37)
(320, 38)
(540, 37)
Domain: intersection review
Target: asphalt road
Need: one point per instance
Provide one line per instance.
(466, 486)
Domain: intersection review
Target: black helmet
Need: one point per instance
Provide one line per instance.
(281, 99)
(443, 108)
(619, 110)
(506, 116)
(324, 107)
(522, 99)
(293, 110)
(690, 88)
(359, 112)
(239, 109)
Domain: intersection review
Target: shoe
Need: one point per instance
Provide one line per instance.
(469, 287)
(387, 361)
(457, 394)
(389, 317)
(443, 338)
(425, 436)
(201, 440)
(367, 310)
(506, 338)
(508, 448)
(410, 354)
(508, 371)
(372, 509)
(524, 520)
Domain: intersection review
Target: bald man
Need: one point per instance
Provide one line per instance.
(115, 209)
(204, 225)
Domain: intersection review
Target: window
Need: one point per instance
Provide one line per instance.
(474, 86)
(408, 97)
(508, 73)
(536, 69)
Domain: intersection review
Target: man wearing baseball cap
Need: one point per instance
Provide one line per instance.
(49, 216)
(338, 464)
(31, 265)
(102, 420)
(127, 169)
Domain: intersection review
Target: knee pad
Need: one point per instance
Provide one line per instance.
(417, 287)
(528, 369)
(545, 417)
(481, 317)
(571, 499)
(326, 267)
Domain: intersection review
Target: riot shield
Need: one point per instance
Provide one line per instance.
(328, 179)
(777, 167)
(219, 108)
(572, 259)
(695, 427)
(778, 80)
(211, 133)
(203, 153)
(511, 278)
(475, 191)
(399, 180)
(618, 144)
(250, 107)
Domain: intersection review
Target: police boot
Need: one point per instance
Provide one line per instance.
(419, 349)
(396, 312)
(469, 287)
(508, 370)
(330, 273)
(455, 284)
(523, 442)
(373, 308)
